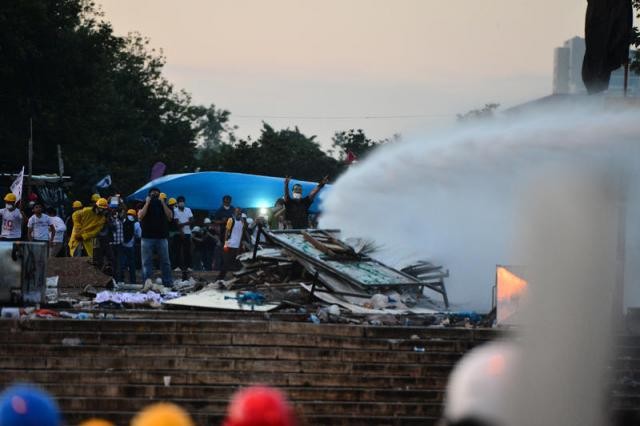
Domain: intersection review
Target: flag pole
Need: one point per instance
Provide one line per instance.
(626, 78)
(30, 155)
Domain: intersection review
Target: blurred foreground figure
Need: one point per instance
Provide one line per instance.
(162, 414)
(28, 406)
(260, 406)
(478, 385)
(96, 422)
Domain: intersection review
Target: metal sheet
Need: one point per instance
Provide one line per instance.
(353, 305)
(23, 272)
(364, 272)
(215, 299)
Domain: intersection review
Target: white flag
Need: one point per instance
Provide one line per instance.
(16, 186)
(105, 182)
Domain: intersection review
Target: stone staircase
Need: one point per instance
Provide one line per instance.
(334, 374)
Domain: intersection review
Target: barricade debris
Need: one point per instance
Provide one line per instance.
(309, 272)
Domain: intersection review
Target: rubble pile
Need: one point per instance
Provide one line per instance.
(310, 272)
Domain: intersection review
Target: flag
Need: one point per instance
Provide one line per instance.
(105, 182)
(16, 186)
(157, 170)
(351, 157)
(608, 31)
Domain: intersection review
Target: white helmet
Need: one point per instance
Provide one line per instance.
(480, 384)
(196, 229)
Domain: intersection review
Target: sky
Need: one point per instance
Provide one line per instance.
(386, 66)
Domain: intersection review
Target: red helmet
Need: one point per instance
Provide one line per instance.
(259, 406)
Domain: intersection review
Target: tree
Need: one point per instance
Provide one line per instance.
(101, 97)
(486, 111)
(354, 143)
(275, 153)
(635, 39)
(213, 127)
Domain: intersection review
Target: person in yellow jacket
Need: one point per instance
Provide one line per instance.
(87, 223)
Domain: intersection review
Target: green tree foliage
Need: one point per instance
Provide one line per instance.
(635, 39)
(486, 111)
(356, 142)
(275, 153)
(213, 128)
(102, 98)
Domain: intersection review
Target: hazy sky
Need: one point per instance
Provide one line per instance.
(326, 64)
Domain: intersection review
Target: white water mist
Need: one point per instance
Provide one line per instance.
(451, 198)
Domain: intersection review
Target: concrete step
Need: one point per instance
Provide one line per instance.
(221, 339)
(248, 326)
(161, 392)
(231, 352)
(123, 418)
(212, 364)
(435, 378)
(218, 406)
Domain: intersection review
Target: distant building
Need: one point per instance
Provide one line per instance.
(567, 71)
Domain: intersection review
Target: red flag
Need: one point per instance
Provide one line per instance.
(351, 157)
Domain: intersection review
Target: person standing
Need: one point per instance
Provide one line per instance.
(87, 223)
(198, 249)
(115, 236)
(77, 205)
(297, 206)
(131, 233)
(276, 219)
(211, 242)
(183, 218)
(154, 218)
(60, 227)
(220, 218)
(234, 232)
(40, 226)
(12, 220)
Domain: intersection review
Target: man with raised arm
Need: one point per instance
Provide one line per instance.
(297, 206)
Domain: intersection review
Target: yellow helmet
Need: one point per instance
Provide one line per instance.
(10, 198)
(102, 203)
(95, 197)
(96, 422)
(76, 204)
(163, 196)
(162, 414)
(132, 212)
(172, 201)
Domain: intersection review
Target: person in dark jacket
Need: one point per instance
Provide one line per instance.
(155, 217)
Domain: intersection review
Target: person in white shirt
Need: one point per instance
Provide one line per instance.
(60, 227)
(233, 239)
(12, 219)
(40, 227)
(183, 218)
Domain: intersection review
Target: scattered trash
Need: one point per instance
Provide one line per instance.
(379, 301)
(414, 337)
(334, 310)
(167, 380)
(13, 313)
(314, 319)
(134, 298)
(90, 291)
(418, 349)
(71, 341)
(51, 293)
(46, 313)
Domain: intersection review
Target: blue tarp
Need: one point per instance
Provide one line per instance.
(204, 190)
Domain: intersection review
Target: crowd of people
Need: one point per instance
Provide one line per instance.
(161, 233)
